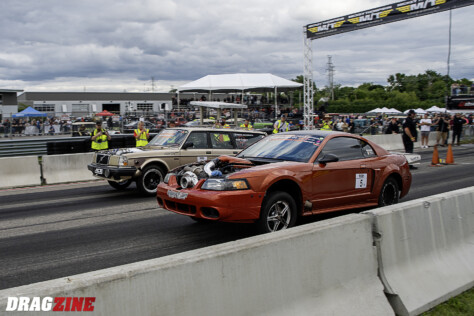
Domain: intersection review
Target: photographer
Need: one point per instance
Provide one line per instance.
(100, 138)
(141, 134)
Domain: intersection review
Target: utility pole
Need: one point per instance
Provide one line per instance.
(152, 84)
(330, 69)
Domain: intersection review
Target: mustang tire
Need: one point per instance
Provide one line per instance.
(148, 182)
(390, 192)
(120, 185)
(278, 213)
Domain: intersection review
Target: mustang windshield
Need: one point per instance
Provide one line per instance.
(285, 147)
(169, 138)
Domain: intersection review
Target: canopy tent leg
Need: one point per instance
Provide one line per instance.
(235, 118)
(276, 104)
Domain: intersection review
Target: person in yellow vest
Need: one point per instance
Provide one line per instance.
(222, 138)
(247, 125)
(326, 125)
(141, 134)
(281, 125)
(222, 124)
(100, 138)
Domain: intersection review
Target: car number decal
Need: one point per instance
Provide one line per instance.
(200, 159)
(177, 195)
(361, 180)
(99, 171)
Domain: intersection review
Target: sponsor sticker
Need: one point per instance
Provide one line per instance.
(361, 180)
(177, 195)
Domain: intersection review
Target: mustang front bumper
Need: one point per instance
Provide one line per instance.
(229, 206)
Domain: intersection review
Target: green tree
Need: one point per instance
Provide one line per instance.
(402, 92)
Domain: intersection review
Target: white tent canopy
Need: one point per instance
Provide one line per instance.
(436, 109)
(239, 82)
(394, 111)
(376, 110)
(417, 111)
(385, 110)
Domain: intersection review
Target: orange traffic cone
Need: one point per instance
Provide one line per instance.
(435, 160)
(449, 155)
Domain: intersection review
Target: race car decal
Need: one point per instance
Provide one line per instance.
(361, 181)
(177, 195)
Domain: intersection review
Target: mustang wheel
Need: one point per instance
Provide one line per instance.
(390, 193)
(149, 180)
(278, 213)
(122, 185)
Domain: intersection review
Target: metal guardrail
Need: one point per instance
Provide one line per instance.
(30, 147)
(23, 148)
(38, 146)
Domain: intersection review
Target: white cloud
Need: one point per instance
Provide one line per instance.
(119, 45)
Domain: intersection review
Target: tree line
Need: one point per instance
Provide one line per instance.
(402, 92)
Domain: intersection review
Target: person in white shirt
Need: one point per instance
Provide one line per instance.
(425, 128)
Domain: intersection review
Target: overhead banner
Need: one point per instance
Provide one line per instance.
(381, 15)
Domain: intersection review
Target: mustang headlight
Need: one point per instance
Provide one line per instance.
(225, 184)
(123, 161)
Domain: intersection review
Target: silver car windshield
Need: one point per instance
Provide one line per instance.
(169, 138)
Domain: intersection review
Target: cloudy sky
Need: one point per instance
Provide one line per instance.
(118, 45)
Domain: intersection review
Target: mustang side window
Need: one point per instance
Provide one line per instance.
(345, 148)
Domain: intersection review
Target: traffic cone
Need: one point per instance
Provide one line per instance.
(435, 160)
(449, 155)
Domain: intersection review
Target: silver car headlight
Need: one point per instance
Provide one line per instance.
(123, 161)
(225, 184)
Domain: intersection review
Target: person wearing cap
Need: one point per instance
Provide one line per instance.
(171, 124)
(281, 125)
(409, 132)
(246, 125)
(222, 124)
(141, 134)
(100, 138)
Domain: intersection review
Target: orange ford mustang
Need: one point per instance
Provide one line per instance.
(287, 175)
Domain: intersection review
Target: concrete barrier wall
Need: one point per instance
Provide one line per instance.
(66, 168)
(426, 249)
(394, 141)
(19, 171)
(325, 268)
